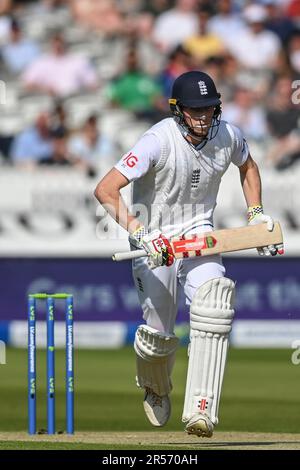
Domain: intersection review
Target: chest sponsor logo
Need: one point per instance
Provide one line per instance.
(130, 160)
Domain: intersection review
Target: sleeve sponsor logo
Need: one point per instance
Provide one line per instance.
(130, 160)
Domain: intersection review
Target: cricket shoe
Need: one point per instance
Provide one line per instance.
(200, 425)
(157, 409)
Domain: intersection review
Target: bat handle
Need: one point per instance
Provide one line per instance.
(126, 255)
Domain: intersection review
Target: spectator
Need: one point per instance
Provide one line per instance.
(294, 54)
(59, 133)
(103, 16)
(277, 21)
(59, 154)
(226, 24)
(293, 9)
(5, 6)
(178, 63)
(246, 114)
(140, 25)
(19, 52)
(135, 90)
(203, 44)
(256, 48)
(139, 35)
(223, 71)
(58, 119)
(60, 73)
(174, 26)
(283, 119)
(33, 144)
(90, 147)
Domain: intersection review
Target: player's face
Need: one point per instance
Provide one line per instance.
(199, 119)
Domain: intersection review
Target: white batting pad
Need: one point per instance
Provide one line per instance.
(211, 319)
(155, 359)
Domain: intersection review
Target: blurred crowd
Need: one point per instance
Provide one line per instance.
(81, 79)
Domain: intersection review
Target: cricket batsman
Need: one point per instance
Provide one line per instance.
(176, 169)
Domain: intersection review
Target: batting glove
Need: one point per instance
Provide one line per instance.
(256, 216)
(157, 246)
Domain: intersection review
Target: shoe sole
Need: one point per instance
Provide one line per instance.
(200, 429)
(155, 422)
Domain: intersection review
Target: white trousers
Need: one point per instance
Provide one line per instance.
(158, 289)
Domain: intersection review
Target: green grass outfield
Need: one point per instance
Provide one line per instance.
(260, 395)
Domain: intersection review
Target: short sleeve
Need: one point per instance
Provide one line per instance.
(240, 149)
(141, 158)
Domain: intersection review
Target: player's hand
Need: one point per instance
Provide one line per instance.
(255, 217)
(157, 246)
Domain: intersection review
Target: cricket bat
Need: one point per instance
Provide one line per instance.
(219, 241)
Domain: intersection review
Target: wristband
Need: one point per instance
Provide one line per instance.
(253, 211)
(139, 233)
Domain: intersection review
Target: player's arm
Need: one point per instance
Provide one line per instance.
(108, 194)
(132, 166)
(143, 157)
(251, 182)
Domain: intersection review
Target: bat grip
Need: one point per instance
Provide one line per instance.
(126, 255)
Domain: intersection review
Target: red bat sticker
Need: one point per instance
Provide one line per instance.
(193, 244)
